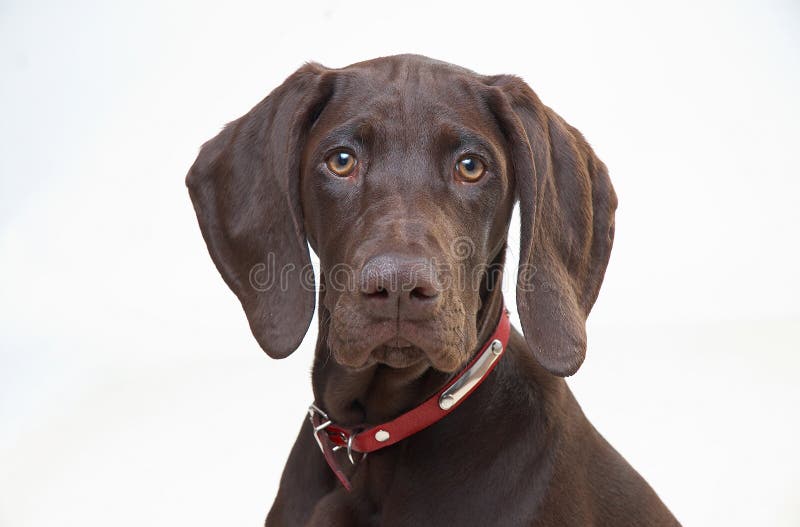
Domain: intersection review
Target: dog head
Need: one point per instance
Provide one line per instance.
(401, 173)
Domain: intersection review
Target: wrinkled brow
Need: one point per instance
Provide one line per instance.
(454, 136)
(362, 130)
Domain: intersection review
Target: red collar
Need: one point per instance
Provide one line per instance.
(332, 437)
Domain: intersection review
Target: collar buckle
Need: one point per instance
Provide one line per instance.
(320, 423)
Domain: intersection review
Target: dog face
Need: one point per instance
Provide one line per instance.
(406, 198)
(401, 173)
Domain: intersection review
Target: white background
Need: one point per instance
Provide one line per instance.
(131, 391)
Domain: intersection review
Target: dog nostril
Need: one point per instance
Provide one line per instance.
(379, 292)
(424, 293)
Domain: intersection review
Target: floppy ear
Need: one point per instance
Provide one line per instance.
(245, 189)
(567, 209)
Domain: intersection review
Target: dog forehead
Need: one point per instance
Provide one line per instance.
(406, 101)
(409, 86)
(410, 71)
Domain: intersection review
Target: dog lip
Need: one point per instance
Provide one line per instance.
(398, 343)
(398, 353)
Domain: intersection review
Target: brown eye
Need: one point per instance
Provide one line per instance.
(341, 163)
(470, 168)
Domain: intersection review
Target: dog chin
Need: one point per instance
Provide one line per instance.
(392, 354)
(398, 353)
(398, 356)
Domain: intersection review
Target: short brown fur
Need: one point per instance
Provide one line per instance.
(518, 451)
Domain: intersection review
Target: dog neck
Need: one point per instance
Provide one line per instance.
(378, 393)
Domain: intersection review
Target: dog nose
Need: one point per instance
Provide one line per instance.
(396, 285)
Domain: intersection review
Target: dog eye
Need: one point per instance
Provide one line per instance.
(341, 163)
(470, 168)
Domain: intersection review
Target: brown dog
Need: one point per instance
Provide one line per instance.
(401, 173)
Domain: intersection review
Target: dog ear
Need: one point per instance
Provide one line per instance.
(567, 206)
(245, 189)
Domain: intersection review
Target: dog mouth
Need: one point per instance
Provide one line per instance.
(357, 341)
(398, 353)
